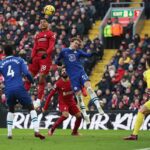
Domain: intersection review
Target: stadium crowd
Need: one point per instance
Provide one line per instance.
(121, 86)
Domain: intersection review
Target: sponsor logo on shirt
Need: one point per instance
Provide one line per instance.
(42, 39)
(67, 93)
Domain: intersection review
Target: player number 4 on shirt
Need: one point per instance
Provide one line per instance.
(10, 71)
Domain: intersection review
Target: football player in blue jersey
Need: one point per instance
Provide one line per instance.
(71, 58)
(12, 68)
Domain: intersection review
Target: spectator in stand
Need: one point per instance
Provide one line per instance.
(119, 75)
(125, 101)
(135, 105)
(117, 31)
(125, 60)
(114, 102)
(136, 39)
(98, 46)
(129, 28)
(147, 8)
(108, 34)
(103, 84)
(108, 96)
(144, 99)
(112, 70)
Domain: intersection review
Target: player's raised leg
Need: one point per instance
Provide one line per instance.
(139, 121)
(59, 121)
(44, 70)
(94, 97)
(82, 106)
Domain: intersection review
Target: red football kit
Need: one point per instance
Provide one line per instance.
(65, 97)
(43, 44)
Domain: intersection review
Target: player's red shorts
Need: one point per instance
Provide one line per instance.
(70, 107)
(40, 65)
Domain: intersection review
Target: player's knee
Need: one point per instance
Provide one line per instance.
(65, 114)
(143, 110)
(78, 115)
(90, 90)
(87, 84)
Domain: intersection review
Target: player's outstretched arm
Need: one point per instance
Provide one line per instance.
(48, 100)
(84, 54)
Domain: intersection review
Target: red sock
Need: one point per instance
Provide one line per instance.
(27, 85)
(84, 92)
(41, 88)
(77, 125)
(58, 122)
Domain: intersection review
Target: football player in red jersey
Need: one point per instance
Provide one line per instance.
(66, 102)
(41, 56)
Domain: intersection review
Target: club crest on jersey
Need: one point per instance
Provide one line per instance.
(72, 57)
(75, 88)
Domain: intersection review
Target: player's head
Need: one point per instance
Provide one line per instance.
(8, 50)
(75, 43)
(64, 73)
(43, 24)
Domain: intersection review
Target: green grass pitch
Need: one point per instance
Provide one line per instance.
(62, 140)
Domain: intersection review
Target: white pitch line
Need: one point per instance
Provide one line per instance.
(148, 148)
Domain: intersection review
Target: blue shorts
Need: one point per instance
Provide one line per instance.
(78, 81)
(18, 95)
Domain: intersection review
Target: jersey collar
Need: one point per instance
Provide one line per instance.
(9, 56)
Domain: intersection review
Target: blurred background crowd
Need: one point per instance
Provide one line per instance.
(122, 86)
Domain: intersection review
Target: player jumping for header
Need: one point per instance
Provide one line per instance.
(41, 57)
(71, 58)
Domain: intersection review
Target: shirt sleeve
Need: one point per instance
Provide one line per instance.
(84, 54)
(51, 43)
(51, 94)
(25, 71)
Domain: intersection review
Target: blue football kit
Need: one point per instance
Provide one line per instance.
(74, 68)
(13, 68)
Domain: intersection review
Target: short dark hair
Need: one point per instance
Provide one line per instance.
(44, 19)
(76, 39)
(8, 50)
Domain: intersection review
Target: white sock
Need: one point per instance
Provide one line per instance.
(94, 99)
(81, 104)
(10, 117)
(34, 119)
